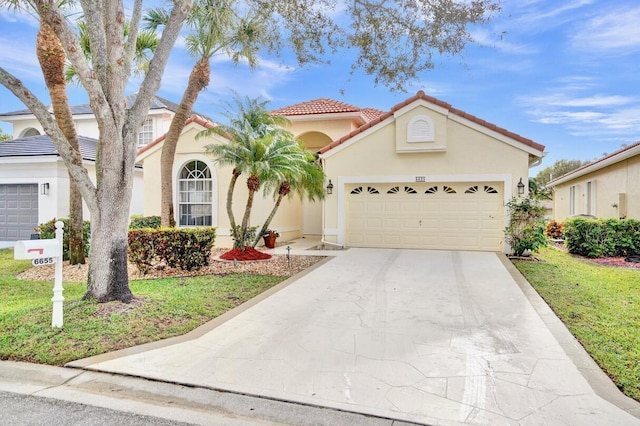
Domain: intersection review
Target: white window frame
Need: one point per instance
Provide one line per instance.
(145, 135)
(195, 189)
(573, 189)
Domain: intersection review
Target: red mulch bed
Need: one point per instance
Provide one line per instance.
(248, 253)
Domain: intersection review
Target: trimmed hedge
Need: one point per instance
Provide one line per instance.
(184, 248)
(141, 222)
(47, 231)
(602, 237)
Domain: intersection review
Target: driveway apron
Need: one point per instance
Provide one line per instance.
(435, 337)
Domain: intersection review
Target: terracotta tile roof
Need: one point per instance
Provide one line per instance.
(435, 101)
(316, 106)
(372, 113)
(195, 118)
(594, 165)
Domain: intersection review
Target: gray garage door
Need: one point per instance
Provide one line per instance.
(18, 211)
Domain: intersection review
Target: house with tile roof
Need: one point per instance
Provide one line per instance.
(606, 188)
(421, 175)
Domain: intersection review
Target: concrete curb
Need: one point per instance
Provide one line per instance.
(194, 405)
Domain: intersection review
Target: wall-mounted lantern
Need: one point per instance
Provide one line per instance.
(44, 188)
(520, 187)
(330, 188)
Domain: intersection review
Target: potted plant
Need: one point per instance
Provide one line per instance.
(270, 238)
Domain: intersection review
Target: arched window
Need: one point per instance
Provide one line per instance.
(195, 205)
(30, 132)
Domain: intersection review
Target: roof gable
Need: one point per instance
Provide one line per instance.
(445, 106)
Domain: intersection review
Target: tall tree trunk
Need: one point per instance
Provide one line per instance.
(108, 277)
(198, 80)
(52, 60)
(232, 219)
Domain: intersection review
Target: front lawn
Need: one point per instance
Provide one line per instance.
(164, 308)
(600, 305)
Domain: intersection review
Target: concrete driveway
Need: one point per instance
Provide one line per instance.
(435, 337)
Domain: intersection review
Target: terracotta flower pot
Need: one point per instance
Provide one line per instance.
(270, 240)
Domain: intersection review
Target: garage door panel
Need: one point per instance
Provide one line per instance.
(425, 216)
(18, 211)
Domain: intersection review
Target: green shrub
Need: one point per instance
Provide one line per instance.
(141, 222)
(602, 237)
(526, 227)
(47, 231)
(184, 248)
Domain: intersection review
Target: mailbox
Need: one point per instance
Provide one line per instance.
(36, 249)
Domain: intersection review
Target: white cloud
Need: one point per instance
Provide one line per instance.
(573, 105)
(617, 31)
(501, 42)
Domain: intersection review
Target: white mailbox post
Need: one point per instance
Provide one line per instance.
(46, 252)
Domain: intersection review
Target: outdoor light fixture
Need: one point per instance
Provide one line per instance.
(330, 188)
(520, 187)
(44, 188)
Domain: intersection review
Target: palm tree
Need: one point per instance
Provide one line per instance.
(52, 57)
(308, 181)
(259, 147)
(248, 120)
(215, 29)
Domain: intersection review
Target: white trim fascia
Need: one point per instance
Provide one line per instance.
(621, 156)
(342, 181)
(356, 138)
(420, 102)
(496, 135)
(30, 159)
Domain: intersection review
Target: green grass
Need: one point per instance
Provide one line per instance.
(170, 307)
(601, 307)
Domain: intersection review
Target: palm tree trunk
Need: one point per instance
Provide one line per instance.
(52, 60)
(240, 242)
(267, 222)
(198, 80)
(232, 185)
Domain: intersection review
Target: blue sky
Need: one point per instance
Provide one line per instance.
(563, 73)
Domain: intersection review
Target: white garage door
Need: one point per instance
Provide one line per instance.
(18, 211)
(455, 216)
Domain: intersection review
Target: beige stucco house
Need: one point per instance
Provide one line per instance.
(423, 175)
(606, 188)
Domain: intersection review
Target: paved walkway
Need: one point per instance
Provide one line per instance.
(434, 337)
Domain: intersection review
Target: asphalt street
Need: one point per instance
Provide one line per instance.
(26, 410)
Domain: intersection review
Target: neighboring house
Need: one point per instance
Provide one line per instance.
(29, 165)
(606, 188)
(423, 175)
(34, 184)
(157, 122)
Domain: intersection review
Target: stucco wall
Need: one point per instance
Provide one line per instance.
(470, 155)
(288, 219)
(608, 183)
(55, 204)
